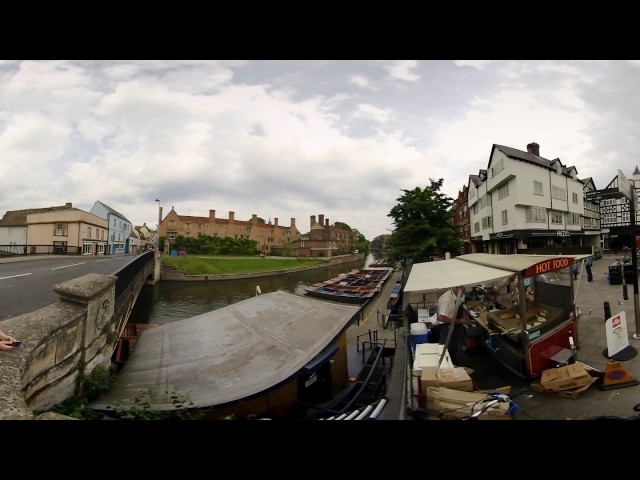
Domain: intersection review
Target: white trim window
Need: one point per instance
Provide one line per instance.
(503, 191)
(505, 218)
(557, 218)
(537, 188)
(535, 215)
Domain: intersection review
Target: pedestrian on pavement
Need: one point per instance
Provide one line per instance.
(575, 269)
(587, 265)
(6, 341)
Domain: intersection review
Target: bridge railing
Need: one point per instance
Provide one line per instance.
(130, 280)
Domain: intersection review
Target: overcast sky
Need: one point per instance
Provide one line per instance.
(290, 139)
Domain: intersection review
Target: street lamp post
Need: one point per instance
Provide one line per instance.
(158, 229)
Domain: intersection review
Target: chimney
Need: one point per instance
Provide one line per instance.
(231, 214)
(326, 223)
(312, 220)
(534, 149)
(67, 205)
(275, 220)
(293, 222)
(212, 215)
(321, 219)
(254, 219)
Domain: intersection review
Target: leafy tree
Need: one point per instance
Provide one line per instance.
(361, 243)
(423, 227)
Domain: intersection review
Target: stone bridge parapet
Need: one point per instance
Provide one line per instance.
(61, 345)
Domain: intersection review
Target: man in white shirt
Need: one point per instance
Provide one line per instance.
(447, 311)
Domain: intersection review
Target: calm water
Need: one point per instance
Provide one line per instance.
(167, 302)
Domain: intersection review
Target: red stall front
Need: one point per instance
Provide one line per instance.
(522, 306)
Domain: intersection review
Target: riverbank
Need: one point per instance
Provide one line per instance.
(170, 273)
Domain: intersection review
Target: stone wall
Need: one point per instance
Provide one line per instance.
(61, 345)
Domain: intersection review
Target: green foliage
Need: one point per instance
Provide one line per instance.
(141, 408)
(208, 245)
(77, 406)
(361, 243)
(227, 265)
(93, 385)
(423, 227)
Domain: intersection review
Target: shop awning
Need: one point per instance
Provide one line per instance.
(473, 269)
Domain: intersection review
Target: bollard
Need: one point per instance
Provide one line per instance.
(607, 311)
(625, 295)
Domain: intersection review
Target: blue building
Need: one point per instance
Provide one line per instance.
(119, 238)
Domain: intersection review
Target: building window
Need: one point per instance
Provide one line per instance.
(476, 227)
(498, 167)
(558, 192)
(609, 218)
(537, 188)
(88, 232)
(486, 222)
(557, 218)
(61, 229)
(626, 217)
(573, 219)
(504, 217)
(535, 215)
(503, 191)
(574, 197)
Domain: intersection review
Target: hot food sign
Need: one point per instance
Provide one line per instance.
(549, 266)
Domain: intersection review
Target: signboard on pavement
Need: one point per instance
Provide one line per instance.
(617, 337)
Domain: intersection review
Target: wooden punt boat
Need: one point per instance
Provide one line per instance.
(357, 286)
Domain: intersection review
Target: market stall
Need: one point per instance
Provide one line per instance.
(521, 306)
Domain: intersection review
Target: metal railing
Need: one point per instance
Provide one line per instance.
(26, 250)
(130, 280)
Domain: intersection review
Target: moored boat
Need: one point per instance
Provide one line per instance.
(357, 286)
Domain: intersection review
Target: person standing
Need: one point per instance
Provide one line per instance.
(446, 313)
(587, 265)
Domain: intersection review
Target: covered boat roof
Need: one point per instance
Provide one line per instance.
(228, 354)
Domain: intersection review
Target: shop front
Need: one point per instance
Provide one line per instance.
(521, 307)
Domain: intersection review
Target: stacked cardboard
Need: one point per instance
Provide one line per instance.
(567, 382)
(454, 378)
(456, 404)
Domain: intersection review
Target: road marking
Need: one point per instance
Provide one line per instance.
(14, 276)
(65, 266)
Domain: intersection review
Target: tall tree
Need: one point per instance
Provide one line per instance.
(423, 227)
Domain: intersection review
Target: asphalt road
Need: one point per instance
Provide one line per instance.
(27, 285)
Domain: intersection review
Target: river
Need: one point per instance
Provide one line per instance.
(168, 301)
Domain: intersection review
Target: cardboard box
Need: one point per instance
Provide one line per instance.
(571, 393)
(455, 404)
(454, 378)
(565, 378)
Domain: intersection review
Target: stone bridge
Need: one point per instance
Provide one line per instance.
(64, 342)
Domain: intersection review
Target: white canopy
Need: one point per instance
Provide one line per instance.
(472, 269)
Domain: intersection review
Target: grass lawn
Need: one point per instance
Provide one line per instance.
(209, 265)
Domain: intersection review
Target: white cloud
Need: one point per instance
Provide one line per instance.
(290, 139)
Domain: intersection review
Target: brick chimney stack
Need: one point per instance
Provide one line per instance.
(231, 215)
(321, 219)
(312, 220)
(293, 222)
(534, 149)
(212, 215)
(275, 221)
